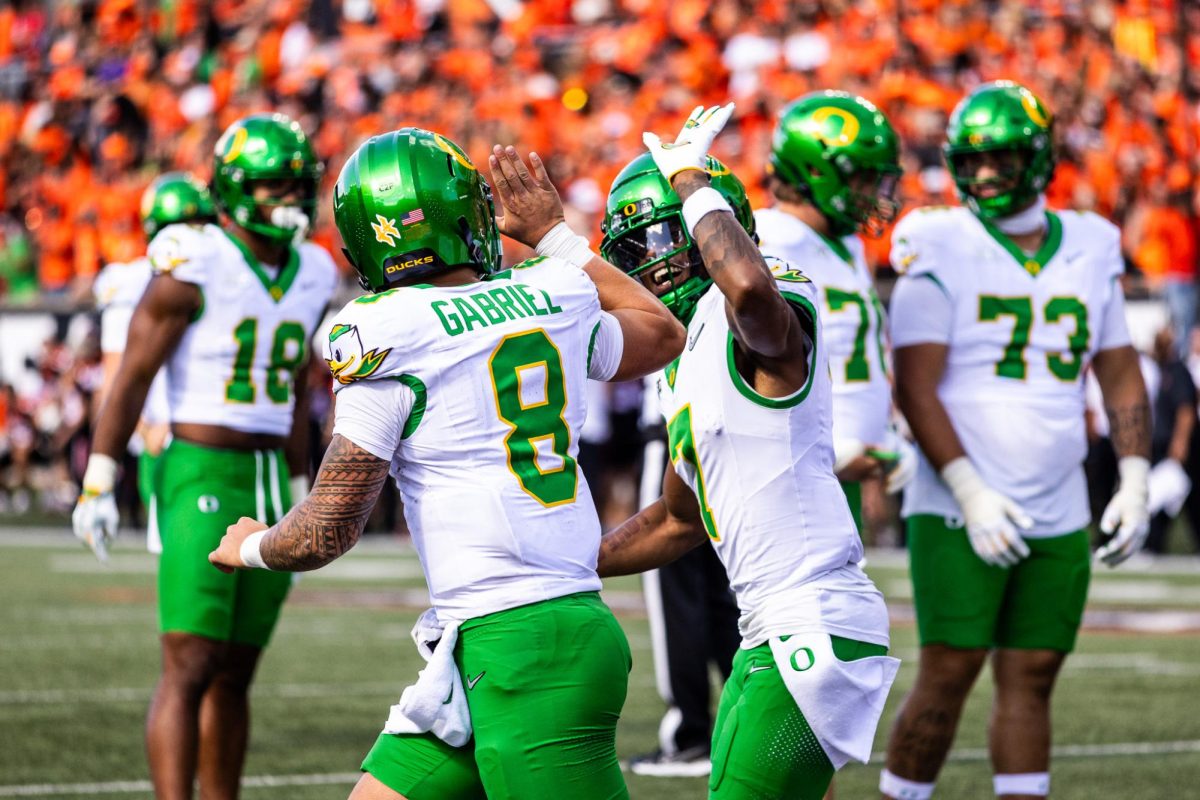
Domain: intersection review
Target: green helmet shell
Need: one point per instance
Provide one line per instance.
(410, 204)
(263, 147)
(823, 139)
(640, 198)
(175, 197)
(1002, 116)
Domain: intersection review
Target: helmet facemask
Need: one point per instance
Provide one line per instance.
(663, 257)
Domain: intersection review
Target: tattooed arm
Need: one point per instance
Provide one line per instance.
(324, 526)
(1125, 400)
(657, 535)
(764, 324)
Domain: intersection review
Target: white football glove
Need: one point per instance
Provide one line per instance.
(1127, 513)
(690, 148)
(95, 517)
(905, 468)
(992, 519)
(1168, 487)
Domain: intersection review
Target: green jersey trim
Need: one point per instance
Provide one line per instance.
(936, 282)
(1037, 262)
(419, 402)
(797, 397)
(502, 275)
(592, 346)
(278, 286)
(838, 247)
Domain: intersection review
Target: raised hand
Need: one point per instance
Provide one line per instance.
(527, 204)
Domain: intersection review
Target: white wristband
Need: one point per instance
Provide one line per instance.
(562, 242)
(962, 478)
(250, 552)
(701, 203)
(100, 475)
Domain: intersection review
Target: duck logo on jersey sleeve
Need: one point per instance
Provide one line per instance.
(348, 360)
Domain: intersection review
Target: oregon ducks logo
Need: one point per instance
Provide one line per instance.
(1030, 104)
(348, 360)
(629, 209)
(236, 146)
(454, 152)
(847, 132)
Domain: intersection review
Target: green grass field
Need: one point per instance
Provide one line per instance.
(78, 658)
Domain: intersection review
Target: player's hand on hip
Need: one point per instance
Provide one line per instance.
(992, 519)
(228, 555)
(95, 517)
(690, 148)
(1127, 513)
(527, 204)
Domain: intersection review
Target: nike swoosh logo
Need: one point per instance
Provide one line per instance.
(699, 330)
(752, 670)
(471, 683)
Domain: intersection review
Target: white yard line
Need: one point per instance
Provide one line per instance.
(1116, 749)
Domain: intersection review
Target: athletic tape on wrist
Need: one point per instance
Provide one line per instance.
(903, 789)
(100, 475)
(251, 552)
(562, 242)
(701, 203)
(1026, 783)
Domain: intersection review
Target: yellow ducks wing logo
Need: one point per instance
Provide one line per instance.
(347, 359)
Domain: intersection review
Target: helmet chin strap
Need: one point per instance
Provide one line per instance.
(1023, 223)
(293, 218)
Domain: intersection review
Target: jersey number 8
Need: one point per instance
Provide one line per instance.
(520, 357)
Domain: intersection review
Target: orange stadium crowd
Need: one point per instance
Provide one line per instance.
(96, 98)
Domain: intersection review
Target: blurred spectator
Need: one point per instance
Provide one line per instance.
(98, 96)
(1173, 409)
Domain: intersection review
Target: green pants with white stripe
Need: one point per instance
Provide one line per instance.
(200, 491)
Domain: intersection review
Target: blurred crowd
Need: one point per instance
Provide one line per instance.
(97, 97)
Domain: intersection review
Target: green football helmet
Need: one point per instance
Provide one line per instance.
(410, 204)
(643, 228)
(1001, 115)
(175, 197)
(265, 147)
(832, 146)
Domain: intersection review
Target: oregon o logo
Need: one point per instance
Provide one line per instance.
(809, 660)
(630, 209)
(235, 147)
(446, 147)
(208, 504)
(849, 128)
(1029, 103)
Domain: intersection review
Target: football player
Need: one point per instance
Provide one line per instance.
(229, 314)
(174, 197)
(466, 383)
(1001, 307)
(833, 171)
(749, 415)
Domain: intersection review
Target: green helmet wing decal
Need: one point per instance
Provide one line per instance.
(1001, 115)
(263, 147)
(175, 197)
(821, 142)
(643, 225)
(410, 204)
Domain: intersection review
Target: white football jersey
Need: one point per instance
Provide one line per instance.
(852, 321)
(762, 472)
(1021, 331)
(499, 511)
(234, 366)
(117, 290)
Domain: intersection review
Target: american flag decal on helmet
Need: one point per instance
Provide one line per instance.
(416, 215)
